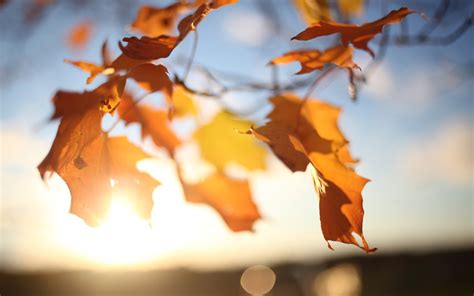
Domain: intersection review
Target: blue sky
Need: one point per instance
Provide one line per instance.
(412, 128)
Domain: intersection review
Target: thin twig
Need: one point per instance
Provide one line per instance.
(135, 102)
(192, 55)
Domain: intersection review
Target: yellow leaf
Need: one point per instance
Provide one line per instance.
(183, 102)
(222, 143)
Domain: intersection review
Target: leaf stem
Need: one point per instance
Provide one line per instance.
(191, 56)
(135, 102)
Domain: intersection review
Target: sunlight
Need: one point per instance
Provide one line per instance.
(122, 237)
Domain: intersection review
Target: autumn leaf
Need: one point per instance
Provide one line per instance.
(93, 69)
(147, 48)
(152, 78)
(153, 21)
(221, 142)
(311, 60)
(98, 170)
(358, 35)
(302, 133)
(231, 198)
(153, 122)
(313, 10)
(80, 35)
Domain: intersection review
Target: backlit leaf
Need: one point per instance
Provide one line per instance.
(311, 60)
(221, 142)
(358, 35)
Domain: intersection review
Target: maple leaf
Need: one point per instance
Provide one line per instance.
(311, 60)
(147, 48)
(302, 133)
(221, 143)
(80, 35)
(153, 122)
(93, 165)
(153, 21)
(231, 198)
(358, 35)
(313, 10)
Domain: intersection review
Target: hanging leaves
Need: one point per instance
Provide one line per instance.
(359, 36)
(80, 35)
(303, 133)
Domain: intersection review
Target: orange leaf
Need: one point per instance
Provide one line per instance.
(154, 123)
(358, 35)
(147, 48)
(231, 198)
(80, 35)
(311, 60)
(93, 165)
(154, 22)
(307, 133)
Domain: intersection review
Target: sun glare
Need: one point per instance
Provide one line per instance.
(122, 237)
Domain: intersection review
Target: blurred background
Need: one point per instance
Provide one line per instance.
(411, 126)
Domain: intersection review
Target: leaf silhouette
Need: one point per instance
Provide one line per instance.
(221, 143)
(302, 133)
(231, 198)
(358, 35)
(311, 60)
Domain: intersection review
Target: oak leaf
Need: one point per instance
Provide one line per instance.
(231, 198)
(358, 35)
(153, 122)
(306, 132)
(311, 60)
(221, 142)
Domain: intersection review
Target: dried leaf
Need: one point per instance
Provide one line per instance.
(231, 198)
(307, 133)
(358, 35)
(221, 142)
(147, 48)
(311, 60)
(153, 122)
